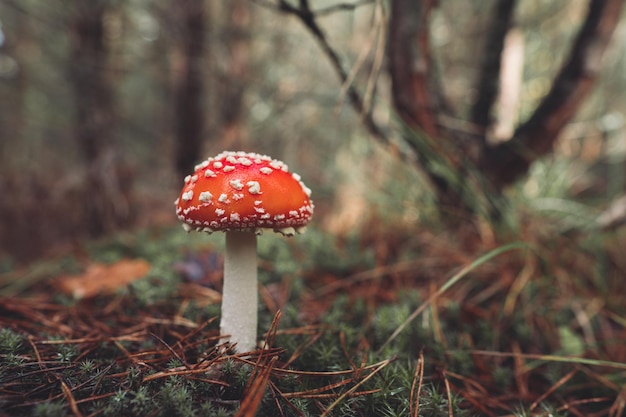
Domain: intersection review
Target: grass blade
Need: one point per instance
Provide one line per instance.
(453, 280)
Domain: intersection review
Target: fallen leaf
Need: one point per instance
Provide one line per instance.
(103, 279)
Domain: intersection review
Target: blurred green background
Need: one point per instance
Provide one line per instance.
(107, 104)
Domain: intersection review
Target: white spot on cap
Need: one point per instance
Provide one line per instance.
(201, 165)
(187, 179)
(278, 165)
(187, 196)
(208, 173)
(245, 161)
(236, 184)
(266, 170)
(205, 196)
(217, 164)
(234, 217)
(254, 187)
(229, 168)
(219, 211)
(223, 198)
(238, 196)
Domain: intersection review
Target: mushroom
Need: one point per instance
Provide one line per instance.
(242, 194)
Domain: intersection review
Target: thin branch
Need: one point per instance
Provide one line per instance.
(308, 17)
(283, 6)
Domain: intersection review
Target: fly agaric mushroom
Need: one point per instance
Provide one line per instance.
(242, 194)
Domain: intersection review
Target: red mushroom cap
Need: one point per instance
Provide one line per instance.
(246, 192)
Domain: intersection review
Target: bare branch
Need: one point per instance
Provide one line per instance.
(507, 161)
(284, 6)
(308, 18)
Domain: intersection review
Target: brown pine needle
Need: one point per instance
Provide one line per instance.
(354, 388)
(172, 351)
(252, 400)
(416, 387)
(70, 399)
(318, 392)
(449, 394)
(553, 388)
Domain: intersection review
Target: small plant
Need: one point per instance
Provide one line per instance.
(118, 404)
(10, 342)
(50, 409)
(65, 353)
(437, 403)
(11, 360)
(87, 366)
(141, 402)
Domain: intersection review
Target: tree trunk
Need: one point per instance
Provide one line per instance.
(234, 73)
(107, 182)
(469, 159)
(189, 86)
(417, 97)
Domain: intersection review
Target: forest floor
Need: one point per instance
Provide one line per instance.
(388, 322)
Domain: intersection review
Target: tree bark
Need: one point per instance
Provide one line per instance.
(419, 101)
(411, 66)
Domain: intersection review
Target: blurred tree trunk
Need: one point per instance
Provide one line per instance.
(190, 18)
(417, 97)
(13, 123)
(452, 158)
(234, 73)
(107, 183)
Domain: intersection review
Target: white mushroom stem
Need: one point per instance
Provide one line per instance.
(239, 297)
